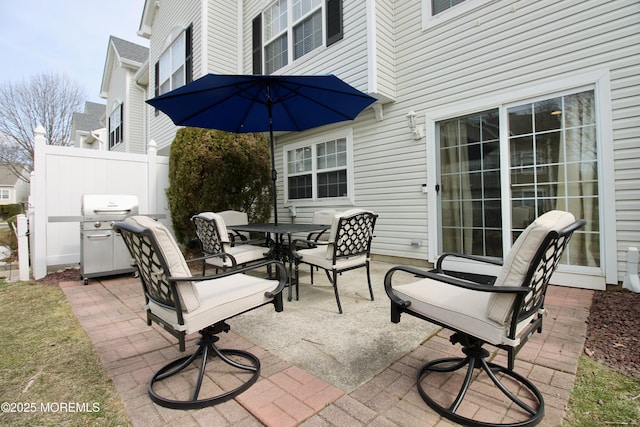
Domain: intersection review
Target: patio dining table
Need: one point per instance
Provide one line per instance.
(278, 236)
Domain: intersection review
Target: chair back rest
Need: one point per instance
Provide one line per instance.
(231, 217)
(531, 262)
(351, 233)
(324, 216)
(158, 258)
(211, 231)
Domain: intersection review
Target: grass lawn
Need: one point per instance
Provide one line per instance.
(50, 373)
(603, 397)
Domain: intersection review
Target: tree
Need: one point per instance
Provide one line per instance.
(211, 170)
(48, 100)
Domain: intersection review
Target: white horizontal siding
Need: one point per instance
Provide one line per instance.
(495, 51)
(169, 15)
(134, 124)
(222, 33)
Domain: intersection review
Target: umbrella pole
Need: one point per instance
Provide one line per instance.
(274, 174)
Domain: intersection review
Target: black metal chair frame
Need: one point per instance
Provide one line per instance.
(529, 302)
(354, 234)
(161, 288)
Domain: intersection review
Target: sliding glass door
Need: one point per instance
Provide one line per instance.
(551, 149)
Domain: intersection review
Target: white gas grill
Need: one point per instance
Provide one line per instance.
(102, 250)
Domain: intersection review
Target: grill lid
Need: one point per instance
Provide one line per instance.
(111, 206)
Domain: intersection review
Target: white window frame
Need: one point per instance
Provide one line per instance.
(313, 142)
(429, 20)
(288, 31)
(598, 81)
(5, 194)
(179, 42)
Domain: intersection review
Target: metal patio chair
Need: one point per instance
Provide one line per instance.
(183, 304)
(214, 237)
(503, 311)
(324, 216)
(347, 247)
(231, 217)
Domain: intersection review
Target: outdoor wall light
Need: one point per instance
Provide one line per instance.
(416, 131)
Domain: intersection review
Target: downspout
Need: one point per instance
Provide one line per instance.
(204, 36)
(372, 48)
(239, 37)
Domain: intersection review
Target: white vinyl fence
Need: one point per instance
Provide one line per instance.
(63, 174)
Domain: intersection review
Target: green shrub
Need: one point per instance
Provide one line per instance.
(7, 211)
(212, 170)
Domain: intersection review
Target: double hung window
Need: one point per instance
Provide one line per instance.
(289, 29)
(173, 69)
(320, 170)
(115, 127)
(438, 6)
(4, 194)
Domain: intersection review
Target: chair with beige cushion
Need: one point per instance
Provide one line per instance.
(212, 232)
(503, 311)
(347, 247)
(231, 217)
(324, 217)
(183, 304)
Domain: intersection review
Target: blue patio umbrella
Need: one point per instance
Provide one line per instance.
(262, 103)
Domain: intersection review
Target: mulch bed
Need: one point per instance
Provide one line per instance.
(613, 332)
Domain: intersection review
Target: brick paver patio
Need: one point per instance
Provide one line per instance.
(111, 312)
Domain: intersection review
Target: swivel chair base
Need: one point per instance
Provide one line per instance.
(476, 359)
(205, 350)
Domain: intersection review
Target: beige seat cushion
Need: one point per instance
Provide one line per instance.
(220, 299)
(462, 309)
(171, 252)
(242, 254)
(519, 258)
(318, 256)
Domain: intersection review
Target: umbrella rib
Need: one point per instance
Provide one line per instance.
(295, 92)
(244, 92)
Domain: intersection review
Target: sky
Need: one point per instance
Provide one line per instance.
(64, 36)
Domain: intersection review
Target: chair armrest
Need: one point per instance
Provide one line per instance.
(310, 243)
(233, 235)
(234, 264)
(484, 259)
(432, 274)
(315, 235)
(245, 241)
(261, 242)
(306, 244)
